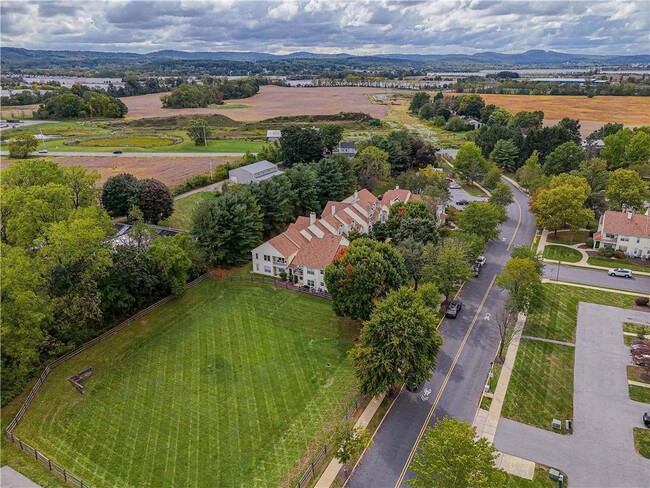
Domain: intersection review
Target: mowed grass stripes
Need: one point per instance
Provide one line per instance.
(232, 384)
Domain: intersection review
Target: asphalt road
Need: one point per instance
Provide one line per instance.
(470, 343)
(596, 277)
(131, 154)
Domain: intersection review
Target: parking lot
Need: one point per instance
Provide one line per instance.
(600, 452)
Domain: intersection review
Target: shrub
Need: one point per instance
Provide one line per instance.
(590, 243)
(283, 275)
(619, 254)
(608, 252)
(642, 301)
(438, 121)
(374, 123)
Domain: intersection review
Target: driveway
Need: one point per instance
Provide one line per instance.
(595, 277)
(600, 453)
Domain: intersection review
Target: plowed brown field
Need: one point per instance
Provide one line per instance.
(272, 101)
(169, 170)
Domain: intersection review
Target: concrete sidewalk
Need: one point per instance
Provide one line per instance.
(600, 452)
(333, 468)
(486, 423)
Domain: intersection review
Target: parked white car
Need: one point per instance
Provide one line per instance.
(454, 186)
(620, 272)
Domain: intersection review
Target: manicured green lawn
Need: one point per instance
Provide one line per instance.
(12, 456)
(617, 263)
(540, 480)
(636, 328)
(231, 384)
(184, 207)
(560, 253)
(642, 441)
(541, 385)
(558, 315)
(568, 237)
(639, 393)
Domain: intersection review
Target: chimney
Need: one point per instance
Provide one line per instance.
(397, 187)
(629, 214)
(333, 209)
(355, 199)
(312, 218)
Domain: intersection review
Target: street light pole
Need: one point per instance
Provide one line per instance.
(557, 277)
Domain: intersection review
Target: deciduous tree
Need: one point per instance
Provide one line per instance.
(565, 158)
(482, 219)
(22, 146)
(300, 145)
(372, 167)
(331, 135)
(451, 454)
(83, 185)
(501, 195)
(118, 194)
(399, 344)
(199, 131)
(470, 163)
(154, 200)
(524, 283)
(446, 266)
(361, 275)
(413, 253)
(626, 189)
(349, 442)
(562, 207)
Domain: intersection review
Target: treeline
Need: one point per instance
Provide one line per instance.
(80, 101)
(245, 214)
(640, 87)
(63, 280)
(212, 91)
(27, 97)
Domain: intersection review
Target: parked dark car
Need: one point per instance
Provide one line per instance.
(476, 269)
(453, 309)
(117, 151)
(646, 419)
(462, 202)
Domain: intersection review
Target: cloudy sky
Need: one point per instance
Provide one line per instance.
(328, 26)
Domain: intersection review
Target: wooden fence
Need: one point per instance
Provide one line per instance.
(311, 468)
(287, 285)
(44, 460)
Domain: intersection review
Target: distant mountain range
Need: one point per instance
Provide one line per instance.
(16, 58)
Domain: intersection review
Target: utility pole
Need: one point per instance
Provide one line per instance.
(205, 139)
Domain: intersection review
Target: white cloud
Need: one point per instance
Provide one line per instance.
(353, 26)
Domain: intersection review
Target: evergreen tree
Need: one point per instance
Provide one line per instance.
(304, 185)
(505, 155)
(276, 199)
(228, 228)
(330, 181)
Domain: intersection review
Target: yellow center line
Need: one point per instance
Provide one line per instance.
(444, 384)
(516, 228)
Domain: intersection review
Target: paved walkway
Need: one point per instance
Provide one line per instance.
(551, 341)
(333, 468)
(211, 187)
(600, 453)
(486, 422)
(638, 383)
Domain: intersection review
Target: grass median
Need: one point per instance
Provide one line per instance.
(561, 253)
(617, 263)
(231, 384)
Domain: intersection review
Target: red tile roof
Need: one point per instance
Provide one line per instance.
(319, 252)
(636, 225)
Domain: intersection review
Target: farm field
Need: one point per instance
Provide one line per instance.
(170, 170)
(592, 112)
(232, 384)
(272, 101)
